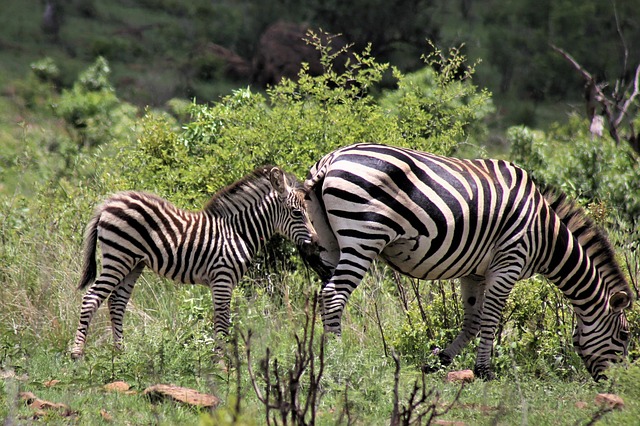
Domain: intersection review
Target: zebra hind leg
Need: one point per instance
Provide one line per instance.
(118, 303)
(472, 292)
(91, 301)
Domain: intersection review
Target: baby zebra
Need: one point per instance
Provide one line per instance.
(212, 247)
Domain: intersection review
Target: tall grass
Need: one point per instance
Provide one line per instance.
(168, 330)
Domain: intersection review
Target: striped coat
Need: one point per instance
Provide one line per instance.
(482, 221)
(212, 247)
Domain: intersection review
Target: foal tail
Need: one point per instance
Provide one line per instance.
(89, 267)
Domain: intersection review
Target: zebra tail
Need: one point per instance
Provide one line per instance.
(317, 173)
(89, 268)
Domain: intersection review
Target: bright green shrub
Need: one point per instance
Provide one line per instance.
(92, 110)
(438, 110)
(568, 157)
(296, 123)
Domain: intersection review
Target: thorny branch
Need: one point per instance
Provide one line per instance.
(284, 394)
(421, 404)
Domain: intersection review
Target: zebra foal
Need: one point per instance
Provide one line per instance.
(212, 247)
(482, 221)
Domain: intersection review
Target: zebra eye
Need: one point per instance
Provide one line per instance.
(296, 213)
(624, 335)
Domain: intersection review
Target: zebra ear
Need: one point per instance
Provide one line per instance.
(277, 180)
(619, 301)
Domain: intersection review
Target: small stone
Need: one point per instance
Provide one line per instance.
(105, 415)
(581, 405)
(464, 376)
(609, 400)
(117, 386)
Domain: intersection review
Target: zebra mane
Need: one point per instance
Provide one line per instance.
(590, 236)
(225, 201)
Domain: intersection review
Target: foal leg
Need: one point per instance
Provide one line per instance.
(108, 280)
(118, 303)
(221, 294)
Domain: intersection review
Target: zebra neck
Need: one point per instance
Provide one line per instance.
(575, 273)
(252, 223)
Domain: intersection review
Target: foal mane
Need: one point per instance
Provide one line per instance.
(225, 202)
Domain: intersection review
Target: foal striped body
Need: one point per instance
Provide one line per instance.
(212, 247)
(483, 221)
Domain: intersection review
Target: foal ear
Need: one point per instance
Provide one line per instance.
(619, 301)
(278, 181)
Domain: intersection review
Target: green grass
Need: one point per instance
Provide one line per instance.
(166, 331)
(44, 202)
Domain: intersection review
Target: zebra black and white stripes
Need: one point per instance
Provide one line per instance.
(483, 221)
(212, 247)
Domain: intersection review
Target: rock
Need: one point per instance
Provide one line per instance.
(609, 400)
(463, 376)
(282, 50)
(27, 397)
(180, 394)
(117, 386)
(40, 406)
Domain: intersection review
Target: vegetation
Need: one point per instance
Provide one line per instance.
(78, 138)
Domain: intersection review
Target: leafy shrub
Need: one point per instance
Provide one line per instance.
(297, 122)
(570, 158)
(92, 110)
(437, 108)
(46, 70)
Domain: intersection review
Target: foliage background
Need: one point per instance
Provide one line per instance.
(70, 136)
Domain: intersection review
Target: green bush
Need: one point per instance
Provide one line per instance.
(297, 122)
(595, 169)
(92, 110)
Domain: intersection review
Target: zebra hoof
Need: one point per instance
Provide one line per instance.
(484, 373)
(445, 358)
(77, 355)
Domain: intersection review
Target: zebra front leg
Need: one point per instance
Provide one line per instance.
(495, 298)
(335, 293)
(118, 304)
(221, 295)
(331, 309)
(472, 293)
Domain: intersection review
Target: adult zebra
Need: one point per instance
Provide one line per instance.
(212, 247)
(483, 221)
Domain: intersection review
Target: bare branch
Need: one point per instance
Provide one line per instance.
(395, 414)
(622, 40)
(585, 74)
(252, 376)
(630, 99)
